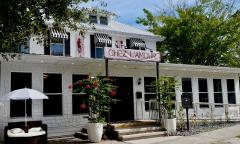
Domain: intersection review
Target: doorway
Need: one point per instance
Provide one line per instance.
(122, 107)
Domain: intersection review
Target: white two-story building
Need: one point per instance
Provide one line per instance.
(70, 57)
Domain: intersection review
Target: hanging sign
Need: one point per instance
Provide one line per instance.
(130, 54)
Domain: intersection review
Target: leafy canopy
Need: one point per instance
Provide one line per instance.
(20, 19)
(206, 33)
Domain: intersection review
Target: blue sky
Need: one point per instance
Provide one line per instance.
(129, 10)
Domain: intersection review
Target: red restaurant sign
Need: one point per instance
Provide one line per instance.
(130, 54)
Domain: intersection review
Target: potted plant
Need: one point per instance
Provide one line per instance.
(99, 91)
(166, 88)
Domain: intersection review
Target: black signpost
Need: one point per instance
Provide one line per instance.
(187, 103)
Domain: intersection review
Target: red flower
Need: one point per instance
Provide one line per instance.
(87, 86)
(113, 93)
(80, 83)
(70, 87)
(95, 83)
(83, 106)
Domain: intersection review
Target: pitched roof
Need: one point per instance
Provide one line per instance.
(123, 29)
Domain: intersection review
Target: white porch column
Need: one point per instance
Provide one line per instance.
(236, 84)
(210, 90)
(67, 95)
(178, 91)
(139, 104)
(195, 92)
(195, 95)
(37, 105)
(224, 91)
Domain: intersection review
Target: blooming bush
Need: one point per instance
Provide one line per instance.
(100, 90)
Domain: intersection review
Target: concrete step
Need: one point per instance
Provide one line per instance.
(130, 124)
(126, 131)
(54, 138)
(81, 135)
(141, 135)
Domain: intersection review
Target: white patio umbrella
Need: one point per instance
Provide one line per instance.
(24, 94)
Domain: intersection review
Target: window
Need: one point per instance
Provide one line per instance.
(187, 87)
(231, 91)
(17, 107)
(150, 93)
(52, 87)
(97, 44)
(203, 92)
(24, 47)
(93, 19)
(103, 20)
(79, 102)
(135, 43)
(58, 46)
(99, 52)
(217, 88)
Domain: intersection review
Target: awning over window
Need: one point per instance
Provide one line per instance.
(103, 38)
(57, 33)
(134, 42)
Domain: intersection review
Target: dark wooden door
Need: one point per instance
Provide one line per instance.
(122, 105)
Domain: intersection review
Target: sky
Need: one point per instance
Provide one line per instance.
(129, 10)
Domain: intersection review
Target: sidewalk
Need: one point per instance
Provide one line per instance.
(220, 136)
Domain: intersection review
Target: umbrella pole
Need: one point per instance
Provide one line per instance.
(25, 113)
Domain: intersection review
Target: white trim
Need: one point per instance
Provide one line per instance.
(33, 58)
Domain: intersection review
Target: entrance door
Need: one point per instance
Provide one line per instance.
(122, 106)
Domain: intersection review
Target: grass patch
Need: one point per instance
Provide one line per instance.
(238, 136)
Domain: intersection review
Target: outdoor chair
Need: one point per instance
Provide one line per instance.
(28, 137)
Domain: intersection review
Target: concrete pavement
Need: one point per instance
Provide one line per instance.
(220, 136)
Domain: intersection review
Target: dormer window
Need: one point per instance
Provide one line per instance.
(103, 20)
(93, 19)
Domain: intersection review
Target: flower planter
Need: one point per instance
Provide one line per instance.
(95, 132)
(170, 125)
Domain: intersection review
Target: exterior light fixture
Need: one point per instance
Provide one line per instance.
(139, 81)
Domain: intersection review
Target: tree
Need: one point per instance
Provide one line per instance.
(206, 33)
(20, 19)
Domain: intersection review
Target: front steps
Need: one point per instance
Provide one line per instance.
(129, 130)
(136, 130)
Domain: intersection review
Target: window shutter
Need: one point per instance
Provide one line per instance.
(128, 43)
(110, 45)
(92, 46)
(67, 45)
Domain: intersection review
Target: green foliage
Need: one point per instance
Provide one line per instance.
(207, 33)
(99, 91)
(166, 88)
(181, 116)
(20, 19)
